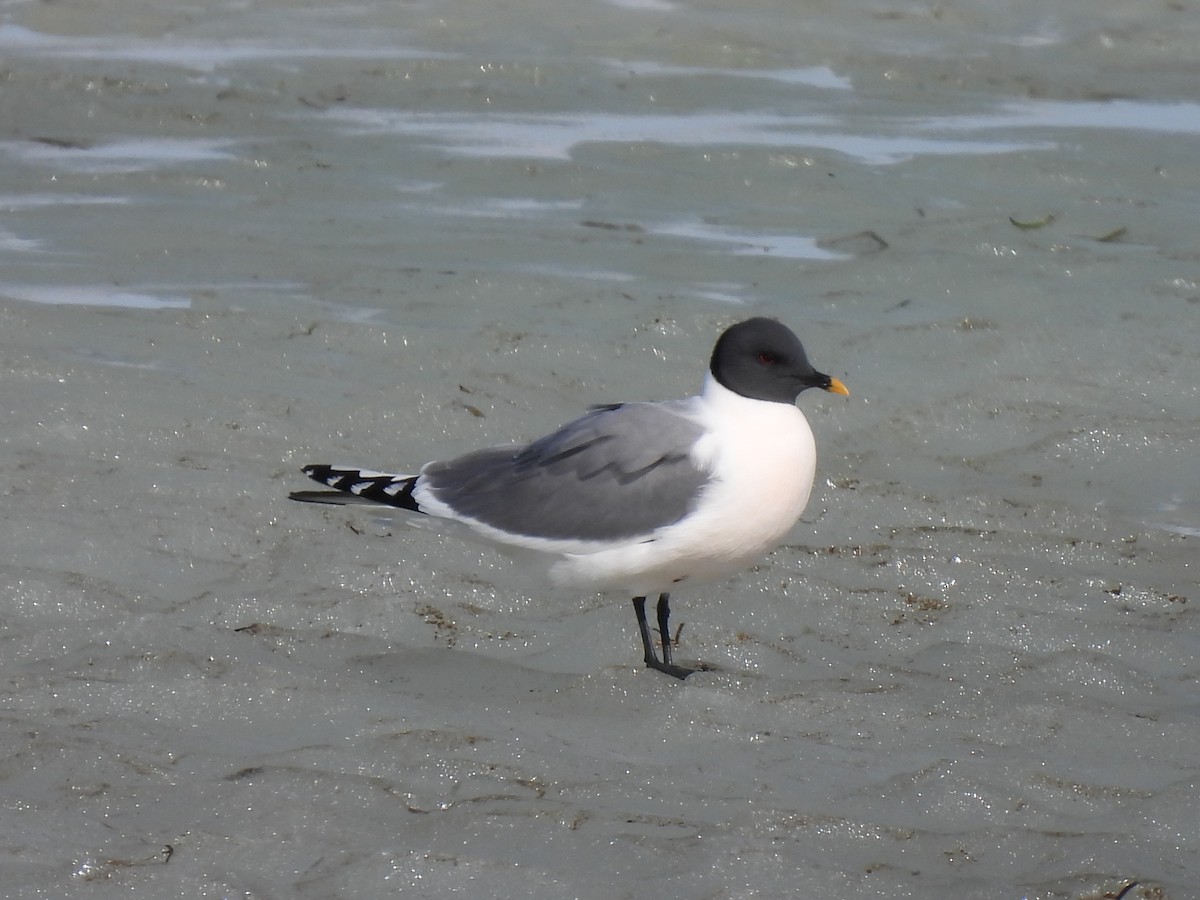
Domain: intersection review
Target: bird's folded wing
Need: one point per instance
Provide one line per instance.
(617, 473)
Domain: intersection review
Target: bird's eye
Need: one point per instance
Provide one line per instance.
(767, 358)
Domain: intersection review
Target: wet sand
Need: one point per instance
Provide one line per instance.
(238, 240)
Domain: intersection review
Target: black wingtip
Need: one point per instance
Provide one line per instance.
(329, 498)
(322, 473)
(358, 485)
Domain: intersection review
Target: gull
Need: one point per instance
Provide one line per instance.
(635, 497)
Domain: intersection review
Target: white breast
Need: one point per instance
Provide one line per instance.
(762, 458)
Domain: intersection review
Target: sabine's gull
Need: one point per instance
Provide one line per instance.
(636, 497)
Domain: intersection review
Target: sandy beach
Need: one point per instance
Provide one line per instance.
(238, 238)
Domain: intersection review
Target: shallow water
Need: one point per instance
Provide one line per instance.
(242, 237)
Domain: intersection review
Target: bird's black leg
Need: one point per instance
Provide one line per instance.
(664, 628)
(652, 661)
(639, 607)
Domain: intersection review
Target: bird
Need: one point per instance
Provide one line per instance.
(640, 497)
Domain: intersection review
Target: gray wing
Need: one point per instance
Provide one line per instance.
(617, 472)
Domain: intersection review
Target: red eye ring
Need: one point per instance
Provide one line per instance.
(767, 358)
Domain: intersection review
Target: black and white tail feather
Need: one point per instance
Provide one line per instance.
(352, 485)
